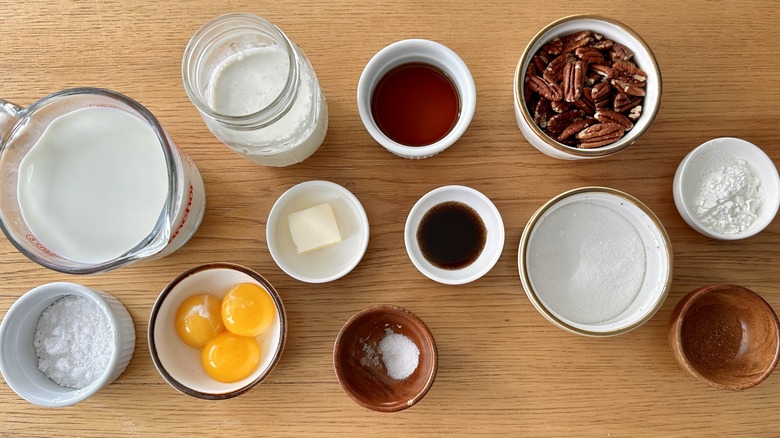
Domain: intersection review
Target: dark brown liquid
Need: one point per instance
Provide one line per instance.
(415, 104)
(451, 235)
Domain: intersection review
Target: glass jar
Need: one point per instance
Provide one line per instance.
(255, 89)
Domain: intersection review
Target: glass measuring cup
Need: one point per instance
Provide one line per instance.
(22, 128)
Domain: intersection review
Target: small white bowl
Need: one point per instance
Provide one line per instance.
(761, 166)
(614, 30)
(19, 361)
(178, 363)
(490, 216)
(427, 52)
(557, 306)
(329, 263)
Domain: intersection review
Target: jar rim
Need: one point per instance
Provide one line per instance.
(218, 28)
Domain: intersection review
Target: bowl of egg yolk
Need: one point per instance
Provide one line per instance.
(216, 331)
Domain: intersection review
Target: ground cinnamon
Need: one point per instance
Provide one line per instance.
(711, 336)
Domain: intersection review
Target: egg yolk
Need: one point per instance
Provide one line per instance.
(229, 358)
(248, 309)
(199, 320)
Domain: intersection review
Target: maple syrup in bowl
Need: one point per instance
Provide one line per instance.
(415, 104)
(416, 98)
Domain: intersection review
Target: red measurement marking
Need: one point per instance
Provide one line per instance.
(184, 219)
(40, 246)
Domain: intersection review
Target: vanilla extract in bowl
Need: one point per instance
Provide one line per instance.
(451, 235)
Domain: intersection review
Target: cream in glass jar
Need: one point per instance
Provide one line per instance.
(255, 89)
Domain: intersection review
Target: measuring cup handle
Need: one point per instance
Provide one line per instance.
(9, 114)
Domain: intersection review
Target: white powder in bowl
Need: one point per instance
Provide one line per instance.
(399, 354)
(73, 341)
(586, 262)
(728, 196)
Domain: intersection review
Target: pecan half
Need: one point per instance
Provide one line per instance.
(600, 134)
(554, 47)
(576, 40)
(590, 55)
(540, 62)
(573, 80)
(585, 104)
(627, 88)
(602, 70)
(600, 91)
(557, 123)
(560, 106)
(554, 70)
(575, 128)
(547, 89)
(541, 112)
(608, 116)
(619, 51)
(629, 73)
(604, 44)
(625, 102)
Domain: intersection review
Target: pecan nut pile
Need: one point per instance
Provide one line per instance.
(583, 90)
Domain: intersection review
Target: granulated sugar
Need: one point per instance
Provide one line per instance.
(586, 262)
(73, 341)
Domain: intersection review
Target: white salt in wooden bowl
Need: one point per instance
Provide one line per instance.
(595, 261)
(18, 358)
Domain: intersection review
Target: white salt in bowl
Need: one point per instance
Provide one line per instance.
(178, 363)
(687, 184)
(326, 264)
(18, 359)
(595, 261)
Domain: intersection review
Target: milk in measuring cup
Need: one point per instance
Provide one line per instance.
(94, 185)
(249, 81)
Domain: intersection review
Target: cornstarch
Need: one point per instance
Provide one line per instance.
(73, 341)
(586, 262)
(728, 196)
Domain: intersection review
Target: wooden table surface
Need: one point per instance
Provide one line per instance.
(503, 369)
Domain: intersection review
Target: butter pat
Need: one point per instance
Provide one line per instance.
(314, 228)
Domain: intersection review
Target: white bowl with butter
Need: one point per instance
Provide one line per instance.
(317, 231)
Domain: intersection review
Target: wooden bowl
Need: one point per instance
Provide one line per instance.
(367, 381)
(725, 335)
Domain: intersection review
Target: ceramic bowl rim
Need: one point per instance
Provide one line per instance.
(66, 288)
(685, 210)
(273, 222)
(170, 379)
(633, 135)
(466, 111)
(537, 302)
(409, 239)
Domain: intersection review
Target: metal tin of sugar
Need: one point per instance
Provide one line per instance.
(595, 261)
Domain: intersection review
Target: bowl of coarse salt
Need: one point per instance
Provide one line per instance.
(385, 358)
(727, 189)
(595, 261)
(60, 343)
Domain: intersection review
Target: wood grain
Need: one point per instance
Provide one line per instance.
(503, 369)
